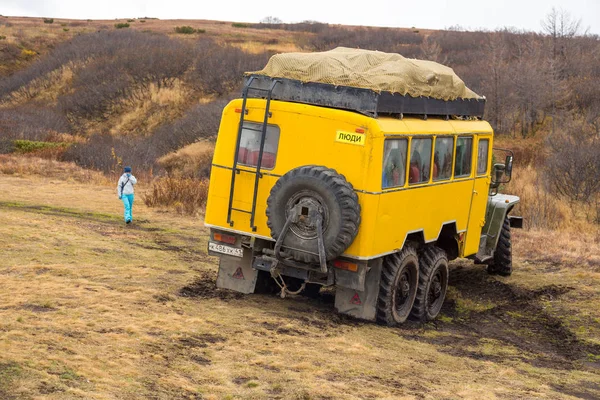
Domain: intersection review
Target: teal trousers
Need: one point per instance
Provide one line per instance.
(128, 203)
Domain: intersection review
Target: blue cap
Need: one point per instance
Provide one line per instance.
(127, 169)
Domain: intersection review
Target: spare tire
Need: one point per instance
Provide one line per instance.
(314, 187)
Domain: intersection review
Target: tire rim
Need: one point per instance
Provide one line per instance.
(436, 292)
(310, 199)
(403, 295)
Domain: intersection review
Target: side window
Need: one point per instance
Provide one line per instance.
(442, 158)
(482, 156)
(420, 161)
(394, 162)
(250, 145)
(464, 154)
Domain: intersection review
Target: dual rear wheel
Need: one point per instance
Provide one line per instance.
(413, 285)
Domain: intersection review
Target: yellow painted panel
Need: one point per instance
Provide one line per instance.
(309, 135)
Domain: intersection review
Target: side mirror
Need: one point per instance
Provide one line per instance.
(508, 164)
(502, 173)
(498, 174)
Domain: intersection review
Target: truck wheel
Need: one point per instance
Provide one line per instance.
(502, 264)
(398, 287)
(433, 284)
(314, 187)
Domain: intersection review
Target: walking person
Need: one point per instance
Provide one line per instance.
(125, 191)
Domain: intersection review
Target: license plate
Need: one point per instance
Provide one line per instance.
(230, 251)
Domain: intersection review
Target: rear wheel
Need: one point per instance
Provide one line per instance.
(502, 264)
(433, 284)
(398, 287)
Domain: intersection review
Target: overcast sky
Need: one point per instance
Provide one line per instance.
(435, 14)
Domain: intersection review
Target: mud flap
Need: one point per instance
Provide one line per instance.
(361, 303)
(237, 273)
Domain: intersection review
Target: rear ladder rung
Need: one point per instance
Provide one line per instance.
(240, 210)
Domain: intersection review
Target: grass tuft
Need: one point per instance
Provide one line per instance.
(186, 195)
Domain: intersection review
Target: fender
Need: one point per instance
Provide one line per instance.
(497, 208)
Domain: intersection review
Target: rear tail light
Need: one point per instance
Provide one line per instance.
(347, 265)
(222, 237)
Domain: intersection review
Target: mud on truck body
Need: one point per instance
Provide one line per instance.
(316, 185)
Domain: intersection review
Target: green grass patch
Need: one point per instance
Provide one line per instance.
(122, 25)
(240, 25)
(9, 373)
(30, 146)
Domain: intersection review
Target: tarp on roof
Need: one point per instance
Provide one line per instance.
(369, 69)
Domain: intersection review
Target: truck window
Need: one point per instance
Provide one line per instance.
(250, 145)
(442, 158)
(464, 154)
(420, 161)
(394, 162)
(482, 156)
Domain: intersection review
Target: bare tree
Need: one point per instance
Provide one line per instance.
(573, 166)
(431, 50)
(271, 20)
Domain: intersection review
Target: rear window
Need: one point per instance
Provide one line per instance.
(420, 161)
(464, 154)
(250, 145)
(394, 162)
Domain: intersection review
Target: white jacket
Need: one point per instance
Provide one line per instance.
(128, 188)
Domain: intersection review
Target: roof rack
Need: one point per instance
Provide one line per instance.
(364, 101)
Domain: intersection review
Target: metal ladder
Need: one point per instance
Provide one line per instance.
(235, 170)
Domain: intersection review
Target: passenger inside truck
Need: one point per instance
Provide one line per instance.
(420, 161)
(394, 160)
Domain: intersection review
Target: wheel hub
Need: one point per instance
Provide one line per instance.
(306, 204)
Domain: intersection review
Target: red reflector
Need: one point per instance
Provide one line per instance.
(221, 237)
(348, 266)
(359, 130)
(355, 299)
(238, 110)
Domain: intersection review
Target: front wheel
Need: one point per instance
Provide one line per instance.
(502, 264)
(398, 287)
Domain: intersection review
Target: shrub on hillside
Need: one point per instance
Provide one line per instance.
(103, 151)
(186, 30)
(219, 69)
(186, 195)
(573, 166)
(31, 123)
(382, 39)
(240, 25)
(193, 161)
(48, 20)
(122, 25)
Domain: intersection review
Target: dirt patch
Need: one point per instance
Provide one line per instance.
(202, 340)
(583, 390)
(40, 308)
(200, 360)
(205, 287)
(516, 317)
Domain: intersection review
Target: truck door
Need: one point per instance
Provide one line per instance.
(481, 185)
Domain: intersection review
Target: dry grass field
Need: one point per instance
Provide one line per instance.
(93, 309)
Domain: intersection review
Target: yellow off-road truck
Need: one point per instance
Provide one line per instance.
(333, 176)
